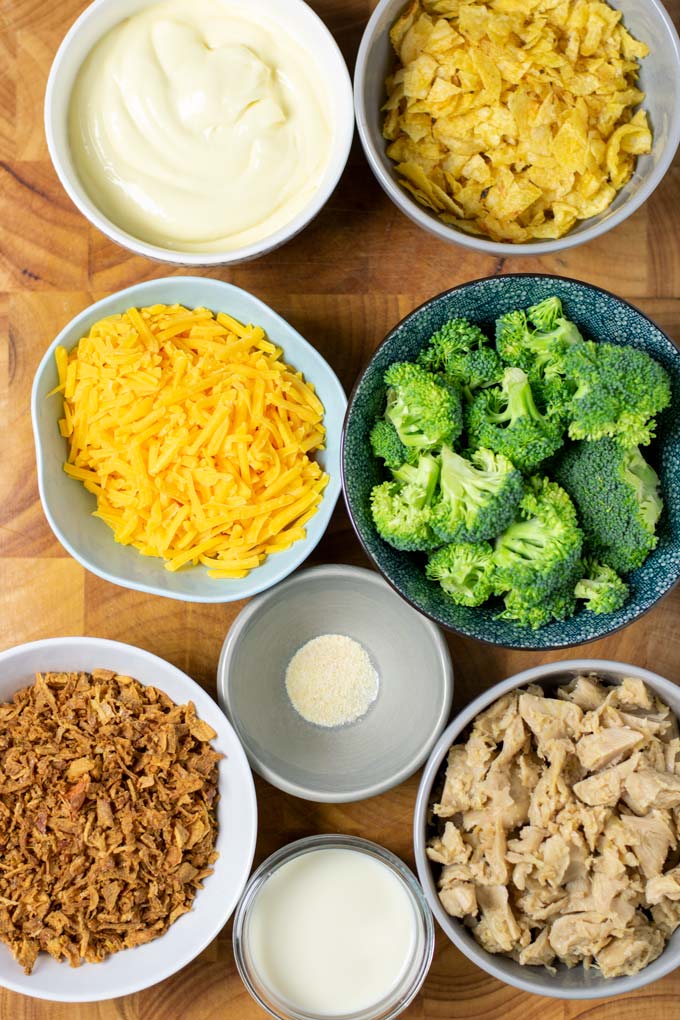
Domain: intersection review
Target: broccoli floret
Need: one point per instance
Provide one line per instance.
(386, 444)
(401, 508)
(536, 341)
(477, 497)
(617, 496)
(425, 412)
(537, 555)
(549, 319)
(460, 351)
(617, 393)
(602, 589)
(527, 613)
(465, 571)
(507, 421)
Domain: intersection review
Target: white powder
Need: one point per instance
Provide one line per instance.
(330, 680)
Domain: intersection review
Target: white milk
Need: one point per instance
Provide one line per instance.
(332, 932)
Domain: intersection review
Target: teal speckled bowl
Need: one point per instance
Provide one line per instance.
(600, 316)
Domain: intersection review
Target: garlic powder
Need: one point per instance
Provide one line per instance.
(330, 680)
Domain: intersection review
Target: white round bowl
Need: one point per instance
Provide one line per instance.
(574, 983)
(343, 763)
(69, 507)
(659, 78)
(134, 969)
(329, 67)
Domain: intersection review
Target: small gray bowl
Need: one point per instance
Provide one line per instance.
(659, 78)
(382, 748)
(576, 983)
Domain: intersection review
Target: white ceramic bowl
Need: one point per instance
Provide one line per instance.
(329, 68)
(382, 748)
(134, 969)
(576, 983)
(68, 506)
(659, 78)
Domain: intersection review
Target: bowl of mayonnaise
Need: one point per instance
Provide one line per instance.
(200, 132)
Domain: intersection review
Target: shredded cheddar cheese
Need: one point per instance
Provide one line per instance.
(194, 435)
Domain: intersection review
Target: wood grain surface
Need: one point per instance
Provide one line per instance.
(343, 283)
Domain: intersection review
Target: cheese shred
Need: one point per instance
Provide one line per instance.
(194, 435)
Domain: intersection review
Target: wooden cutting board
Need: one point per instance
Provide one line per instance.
(343, 283)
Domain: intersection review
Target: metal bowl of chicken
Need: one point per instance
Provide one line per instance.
(554, 834)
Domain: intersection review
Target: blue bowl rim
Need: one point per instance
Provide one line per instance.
(220, 596)
(350, 403)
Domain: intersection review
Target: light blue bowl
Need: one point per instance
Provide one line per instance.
(69, 507)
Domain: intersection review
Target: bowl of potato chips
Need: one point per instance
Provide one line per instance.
(519, 127)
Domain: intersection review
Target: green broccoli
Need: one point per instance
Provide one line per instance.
(401, 508)
(507, 421)
(387, 445)
(602, 589)
(477, 497)
(424, 410)
(617, 496)
(465, 571)
(520, 609)
(537, 555)
(460, 351)
(536, 341)
(617, 393)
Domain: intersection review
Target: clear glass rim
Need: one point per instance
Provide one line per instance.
(390, 1007)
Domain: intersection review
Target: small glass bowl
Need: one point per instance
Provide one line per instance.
(399, 998)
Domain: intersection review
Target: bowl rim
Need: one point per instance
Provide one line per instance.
(330, 572)
(350, 513)
(204, 703)
(332, 841)
(87, 207)
(331, 492)
(479, 956)
(502, 249)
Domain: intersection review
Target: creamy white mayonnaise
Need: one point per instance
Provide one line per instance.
(199, 125)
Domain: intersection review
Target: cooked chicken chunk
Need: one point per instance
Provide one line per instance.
(647, 789)
(498, 925)
(604, 788)
(650, 838)
(584, 691)
(539, 952)
(459, 900)
(630, 953)
(556, 820)
(596, 750)
(663, 887)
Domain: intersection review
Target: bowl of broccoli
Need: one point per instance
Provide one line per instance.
(511, 461)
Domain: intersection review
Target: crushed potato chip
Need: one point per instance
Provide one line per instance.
(513, 119)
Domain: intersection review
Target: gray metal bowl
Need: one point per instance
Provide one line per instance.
(366, 757)
(576, 983)
(659, 78)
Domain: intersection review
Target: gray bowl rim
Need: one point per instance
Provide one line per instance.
(350, 402)
(664, 964)
(174, 256)
(501, 249)
(331, 493)
(329, 572)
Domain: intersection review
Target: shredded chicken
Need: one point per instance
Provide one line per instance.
(108, 793)
(558, 827)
